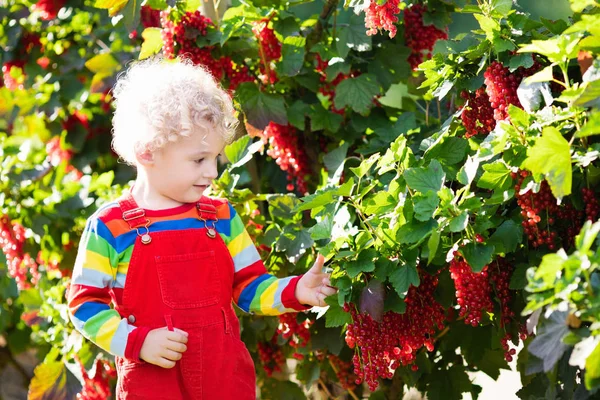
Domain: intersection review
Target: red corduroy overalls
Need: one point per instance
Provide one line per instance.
(183, 279)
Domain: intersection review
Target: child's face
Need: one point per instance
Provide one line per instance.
(182, 171)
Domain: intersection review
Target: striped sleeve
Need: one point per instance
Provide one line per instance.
(89, 297)
(254, 289)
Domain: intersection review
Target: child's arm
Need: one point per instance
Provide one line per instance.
(254, 289)
(89, 296)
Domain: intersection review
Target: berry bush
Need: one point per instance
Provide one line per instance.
(448, 175)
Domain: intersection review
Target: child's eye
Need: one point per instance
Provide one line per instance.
(198, 161)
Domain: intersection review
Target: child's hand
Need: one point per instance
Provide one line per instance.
(313, 287)
(163, 347)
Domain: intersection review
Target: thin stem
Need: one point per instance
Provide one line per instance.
(350, 391)
(329, 395)
(427, 115)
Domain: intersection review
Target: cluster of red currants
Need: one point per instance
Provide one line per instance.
(385, 346)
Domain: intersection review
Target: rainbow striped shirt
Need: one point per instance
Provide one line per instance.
(102, 262)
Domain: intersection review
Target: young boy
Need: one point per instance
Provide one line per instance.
(170, 260)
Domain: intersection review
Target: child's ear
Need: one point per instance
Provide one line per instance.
(145, 158)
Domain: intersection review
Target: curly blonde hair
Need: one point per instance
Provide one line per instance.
(158, 101)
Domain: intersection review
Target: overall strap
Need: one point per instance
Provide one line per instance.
(135, 217)
(206, 209)
(208, 212)
(132, 213)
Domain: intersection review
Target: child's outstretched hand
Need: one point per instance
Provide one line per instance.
(163, 347)
(313, 287)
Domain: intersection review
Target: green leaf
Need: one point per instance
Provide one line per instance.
(580, 5)
(297, 113)
(53, 381)
(425, 205)
(478, 255)
(468, 171)
(365, 165)
(545, 75)
(336, 316)
(425, 179)
(592, 369)
(586, 237)
(353, 36)
(403, 277)
(432, 245)
(152, 42)
(507, 237)
(230, 28)
(550, 155)
(496, 176)
(380, 203)
(490, 26)
(261, 108)
(292, 52)
(592, 127)
(548, 344)
(414, 232)
(131, 14)
(390, 64)
(459, 223)
(103, 63)
(363, 263)
(322, 230)
(106, 4)
(322, 119)
(502, 7)
(394, 303)
(449, 152)
(294, 243)
(551, 264)
(358, 93)
(557, 49)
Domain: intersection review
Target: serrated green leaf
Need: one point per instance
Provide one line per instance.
(322, 229)
(335, 316)
(152, 42)
(425, 179)
(260, 107)
(363, 263)
(103, 63)
(292, 52)
(353, 36)
(550, 155)
(432, 245)
(380, 203)
(365, 165)
(468, 171)
(322, 119)
(507, 237)
(403, 277)
(477, 255)
(357, 93)
(459, 223)
(425, 205)
(415, 232)
(496, 176)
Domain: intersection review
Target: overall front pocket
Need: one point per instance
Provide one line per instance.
(188, 280)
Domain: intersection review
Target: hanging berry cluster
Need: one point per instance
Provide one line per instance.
(285, 149)
(21, 266)
(382, 16)
(179, 38)
(472, 290)
(502, 85)
(271, 356)
(344, 371)
(418, 37)
(269, 49)
(97, 387)
(477, 115)
(298, 333)
(384, 346)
